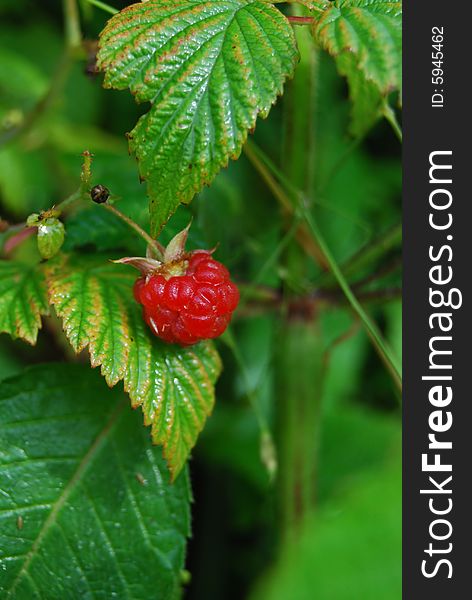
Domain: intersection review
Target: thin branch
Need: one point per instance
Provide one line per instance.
(153, 243)
(300, 20)
(384, 243)
(379, 343)
(105, 7)
(302, 234)
(72, 24)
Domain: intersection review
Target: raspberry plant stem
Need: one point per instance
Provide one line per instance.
(379, 343)
(300, 20)
(382, 349)
(105, 7)
(82, 193)
(302, 234)
(299, 377)
(299, 342)
(158, 248)
(72, 24)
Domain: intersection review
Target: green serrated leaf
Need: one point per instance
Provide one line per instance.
(83, 490)
(208, 68)
(23, 299)
(50, 237)
(173, 385)
(365, 37)
(366, 100)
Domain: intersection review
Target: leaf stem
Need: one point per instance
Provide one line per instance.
(300, 20)
(369, 253)
(269, 263)
(305, 240)
(82, 192)
(375, 336)
(153, 243)
(379, 343)
(72, 24)
(318, 5)
(106, 7)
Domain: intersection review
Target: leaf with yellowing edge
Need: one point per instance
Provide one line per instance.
(173, 385)
(208, 68)
(23, 299)
(365, 39)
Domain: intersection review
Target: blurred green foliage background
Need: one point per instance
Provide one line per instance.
(349, 545)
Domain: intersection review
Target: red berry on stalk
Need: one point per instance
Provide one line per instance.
(187, 296)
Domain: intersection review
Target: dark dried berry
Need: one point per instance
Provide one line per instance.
(99, 194)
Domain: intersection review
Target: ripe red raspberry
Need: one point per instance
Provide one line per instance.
(186, 296)
(190, 307)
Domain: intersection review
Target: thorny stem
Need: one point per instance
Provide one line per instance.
(378, 247)
(380, 346)
(259, 300)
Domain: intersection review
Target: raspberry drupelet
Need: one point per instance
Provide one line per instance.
(193, 305)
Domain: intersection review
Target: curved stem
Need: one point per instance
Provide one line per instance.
(300, 20)
(153, 243)
(106, 7)
(375, 336)
(379, 343)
